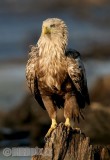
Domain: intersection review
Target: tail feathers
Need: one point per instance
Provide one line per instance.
(77, 114)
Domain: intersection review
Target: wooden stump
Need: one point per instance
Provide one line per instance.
(66, 144)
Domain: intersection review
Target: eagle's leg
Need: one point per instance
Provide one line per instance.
(51, 109)
(53, 126)
(71, 109)
(68, 110)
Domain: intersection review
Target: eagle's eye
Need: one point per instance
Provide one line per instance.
(52, 25)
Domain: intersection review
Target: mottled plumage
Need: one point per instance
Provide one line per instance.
(56, 75)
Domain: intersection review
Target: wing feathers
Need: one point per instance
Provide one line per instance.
(31, 75)
(76, 72)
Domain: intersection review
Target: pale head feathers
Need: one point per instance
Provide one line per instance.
(57, 27)
(54, 36)
(51, 46)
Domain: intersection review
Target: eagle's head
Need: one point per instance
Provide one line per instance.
(55, 29)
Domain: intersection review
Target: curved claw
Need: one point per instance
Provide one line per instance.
(50, 131)
(53, 126)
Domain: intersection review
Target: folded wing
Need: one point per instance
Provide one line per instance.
(31, 75)
(77, 74)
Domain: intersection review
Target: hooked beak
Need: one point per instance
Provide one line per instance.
(46, 30)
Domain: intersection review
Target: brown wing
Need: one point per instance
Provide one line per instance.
(31, 76)
(76, 72)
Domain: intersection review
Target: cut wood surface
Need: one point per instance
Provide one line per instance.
(67, 144)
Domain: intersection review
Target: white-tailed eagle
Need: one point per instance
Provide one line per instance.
(55, 74)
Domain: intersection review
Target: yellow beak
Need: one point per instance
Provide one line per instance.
(46, 30)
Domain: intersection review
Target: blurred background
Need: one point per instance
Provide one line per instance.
(22, 121)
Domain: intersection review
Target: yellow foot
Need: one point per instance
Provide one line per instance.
(67, 123)
(53, 126)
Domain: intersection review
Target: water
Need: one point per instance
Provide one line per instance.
(17, 30)
(12, 85)
(96, 69)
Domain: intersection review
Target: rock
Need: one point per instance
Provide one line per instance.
(66, 144)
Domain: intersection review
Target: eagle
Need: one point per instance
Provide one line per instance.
(56, 75)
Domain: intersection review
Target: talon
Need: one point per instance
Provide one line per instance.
(53, 126)
(67, 123)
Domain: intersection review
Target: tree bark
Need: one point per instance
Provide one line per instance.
(67, 144)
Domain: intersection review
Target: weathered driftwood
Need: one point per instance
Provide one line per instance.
(64, 144)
